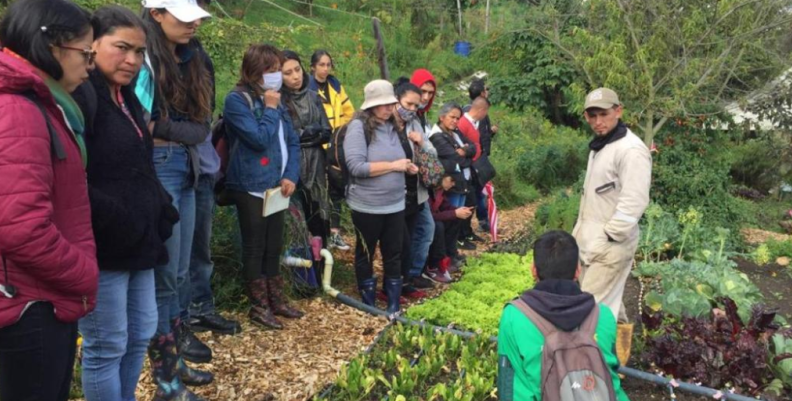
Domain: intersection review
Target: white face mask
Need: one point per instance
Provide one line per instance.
(273, 81)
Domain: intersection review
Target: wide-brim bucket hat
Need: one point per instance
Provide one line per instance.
(377, 93)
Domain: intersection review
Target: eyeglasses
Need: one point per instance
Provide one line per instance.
(88, 54)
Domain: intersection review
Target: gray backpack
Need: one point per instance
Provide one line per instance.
(573, 368)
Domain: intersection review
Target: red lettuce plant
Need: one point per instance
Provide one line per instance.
(718, 351)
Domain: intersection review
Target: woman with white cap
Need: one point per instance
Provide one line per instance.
(376, 163)
(180, 115)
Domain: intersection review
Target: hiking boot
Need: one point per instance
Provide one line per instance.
(466, 245)
(436, 276)
(368, 289)
(393, 288)
(421, 283)
(337, 242)
(193, 377)
(215, 323)
(409, 291)
(260, 311)
(278, 301)
(164, 362)
(190, 347)
(185, 337)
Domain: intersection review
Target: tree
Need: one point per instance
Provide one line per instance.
(673, 58)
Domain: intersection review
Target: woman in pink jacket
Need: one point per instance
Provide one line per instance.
(49, 272)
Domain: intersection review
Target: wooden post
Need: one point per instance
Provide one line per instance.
(382, 58)
(486, 19)
(459, 11)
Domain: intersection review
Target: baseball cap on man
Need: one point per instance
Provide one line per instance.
(601, 98)
(183, 10)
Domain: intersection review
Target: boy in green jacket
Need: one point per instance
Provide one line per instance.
(558, 299)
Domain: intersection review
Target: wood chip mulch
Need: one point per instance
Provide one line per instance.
(755, 236)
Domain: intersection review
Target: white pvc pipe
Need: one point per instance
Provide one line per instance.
(297, 262)
(328, 274)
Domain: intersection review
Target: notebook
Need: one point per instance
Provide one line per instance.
(274, 201)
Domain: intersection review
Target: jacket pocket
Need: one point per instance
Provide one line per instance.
(603, 189)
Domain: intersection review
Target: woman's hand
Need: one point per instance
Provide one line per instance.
(412, 169)
(401, 165)
(463, 213)
(416, 137)
(461, 152)
(287, 187)
(272, 98)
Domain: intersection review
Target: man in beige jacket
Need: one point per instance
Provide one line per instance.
(615, 195)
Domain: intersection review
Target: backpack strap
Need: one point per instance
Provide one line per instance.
(56, 145)
(544, 326)
(589, 326)
(249, 99)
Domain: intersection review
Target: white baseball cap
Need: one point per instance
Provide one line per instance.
(183, 10)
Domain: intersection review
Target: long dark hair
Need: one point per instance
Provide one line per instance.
(370, 123)
(317, 55)
(286, 93)
(190, 95)
(31, 27)
(107, 19)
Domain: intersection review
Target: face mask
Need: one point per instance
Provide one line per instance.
(273, 81)
(406, 115)
(422, 106)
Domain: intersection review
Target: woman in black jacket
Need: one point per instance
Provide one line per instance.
(130, 210)
(312, 127)
(454, 151)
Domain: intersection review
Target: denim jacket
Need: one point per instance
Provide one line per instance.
(255, 153)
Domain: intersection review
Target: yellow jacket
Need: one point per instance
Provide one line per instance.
(338, 107)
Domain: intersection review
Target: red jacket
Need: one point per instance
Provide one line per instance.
(471, 133)
(46, 238)
(442, 210)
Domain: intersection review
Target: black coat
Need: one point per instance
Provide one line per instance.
(131, 212)
(446, 147)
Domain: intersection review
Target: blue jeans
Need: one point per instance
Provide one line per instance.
(481, 207)
(116, 334)
(173, 281)
(456, 200)
(421, 239)
(201, 265)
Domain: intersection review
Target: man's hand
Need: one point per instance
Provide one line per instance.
(461, 152)
(287, 187)
(463, 213)
(494, 129)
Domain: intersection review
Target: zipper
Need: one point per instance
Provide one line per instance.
(85, 303)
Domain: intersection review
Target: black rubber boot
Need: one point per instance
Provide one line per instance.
(393, 287)
(368, 291)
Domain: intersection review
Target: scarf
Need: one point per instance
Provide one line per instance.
(305, 109)
(71, 111)
(599, 142)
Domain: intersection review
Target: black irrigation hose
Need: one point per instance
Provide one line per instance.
(634, 373)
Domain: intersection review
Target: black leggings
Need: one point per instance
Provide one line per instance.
(444, 242)
(37, 356)
(385, 229)
(262, 237)
(317, 226)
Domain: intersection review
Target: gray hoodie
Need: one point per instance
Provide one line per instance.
(374, 195)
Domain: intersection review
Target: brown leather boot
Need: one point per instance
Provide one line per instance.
(278, 301)
(260, 311)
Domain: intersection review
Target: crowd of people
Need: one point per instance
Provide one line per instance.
(106, 133)
(112, 165)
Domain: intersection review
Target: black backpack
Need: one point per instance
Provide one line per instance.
(337, 171)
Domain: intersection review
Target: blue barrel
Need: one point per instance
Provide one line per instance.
(462, 48)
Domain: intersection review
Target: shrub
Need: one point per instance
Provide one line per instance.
(760, 163)
(557, 213)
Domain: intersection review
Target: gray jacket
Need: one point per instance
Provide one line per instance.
(415, 125)
(374, 195)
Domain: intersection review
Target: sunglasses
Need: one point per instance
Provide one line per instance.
(88, 54)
